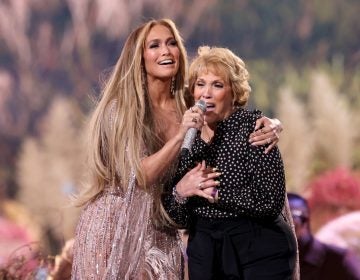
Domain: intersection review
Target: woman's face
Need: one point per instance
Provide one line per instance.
(161, 54)
(217, 94)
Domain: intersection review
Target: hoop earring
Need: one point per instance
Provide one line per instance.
(172, 87)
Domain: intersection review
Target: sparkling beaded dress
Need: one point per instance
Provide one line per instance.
(116, 239)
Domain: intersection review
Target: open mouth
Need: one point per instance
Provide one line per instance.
(167, 62)
(210, 106)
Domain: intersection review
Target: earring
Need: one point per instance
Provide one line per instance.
(143, 78)
(172, 87)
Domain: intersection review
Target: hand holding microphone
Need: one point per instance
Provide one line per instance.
(191, 133)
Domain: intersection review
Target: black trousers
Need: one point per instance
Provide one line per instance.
(243, 249)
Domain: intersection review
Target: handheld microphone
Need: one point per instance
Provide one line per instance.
(191, 133)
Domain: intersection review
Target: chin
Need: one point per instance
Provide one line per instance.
(211, 122)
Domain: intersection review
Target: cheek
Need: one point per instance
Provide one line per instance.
(176, 53)
(148, 57)
(177, 58)
(225, 99)
(197, 93)
(146, 61)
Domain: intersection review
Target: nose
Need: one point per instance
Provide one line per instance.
(206, 94)
(165, 49)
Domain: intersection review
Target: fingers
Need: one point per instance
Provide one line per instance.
(197, 180)
(268, 149)
(274, 142)
(200, 189)
(277, 125)
(203, 165)
(208, 193)
(263, 140)
(204, 169)
(265, 135)
(267, 122)
(259, 136)
(196, 114)
(196, 109)
(259, 123)
(206, 196)
(195, 169)
(192, 119)
(211, 194)
(209, 183)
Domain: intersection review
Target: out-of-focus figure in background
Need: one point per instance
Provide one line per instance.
(319, 260)
(20, 250)
(63, 263)
(343, 231)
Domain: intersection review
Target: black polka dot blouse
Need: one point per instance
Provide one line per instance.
(252, 183)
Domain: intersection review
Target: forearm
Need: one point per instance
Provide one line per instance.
(177, 211)
(158, 163)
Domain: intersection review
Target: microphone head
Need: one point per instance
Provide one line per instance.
(201, 104)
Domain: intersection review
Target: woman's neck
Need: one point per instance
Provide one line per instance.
(165, 115)
(207, 133)
(159, 94)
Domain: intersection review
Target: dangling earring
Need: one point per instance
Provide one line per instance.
(143, 78)
(172, 87)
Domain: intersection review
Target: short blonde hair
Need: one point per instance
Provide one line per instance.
(225, 64)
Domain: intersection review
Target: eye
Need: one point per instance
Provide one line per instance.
(218, 85)
(199, 84)
(153, 45)
(172, 42)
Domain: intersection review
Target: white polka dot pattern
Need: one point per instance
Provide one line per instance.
(252, 183)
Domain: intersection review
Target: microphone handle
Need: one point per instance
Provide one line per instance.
(191, 133)
(189, 138)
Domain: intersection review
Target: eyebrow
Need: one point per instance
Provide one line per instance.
(157, 40)
(214, 81)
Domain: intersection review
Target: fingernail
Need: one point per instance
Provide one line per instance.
(214, 169)
(218, 173)
(217, 183)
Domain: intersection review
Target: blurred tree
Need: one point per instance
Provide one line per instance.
(297, 144)
(50, 170)
(332, 123)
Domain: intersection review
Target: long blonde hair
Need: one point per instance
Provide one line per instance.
(122, 123)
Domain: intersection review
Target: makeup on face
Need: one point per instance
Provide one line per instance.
(161, 53)
(217, 94)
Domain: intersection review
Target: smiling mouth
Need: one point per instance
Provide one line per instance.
(167, 62)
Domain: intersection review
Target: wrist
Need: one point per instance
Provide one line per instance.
(178, 198)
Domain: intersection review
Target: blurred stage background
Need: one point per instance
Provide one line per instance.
(304, 61)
